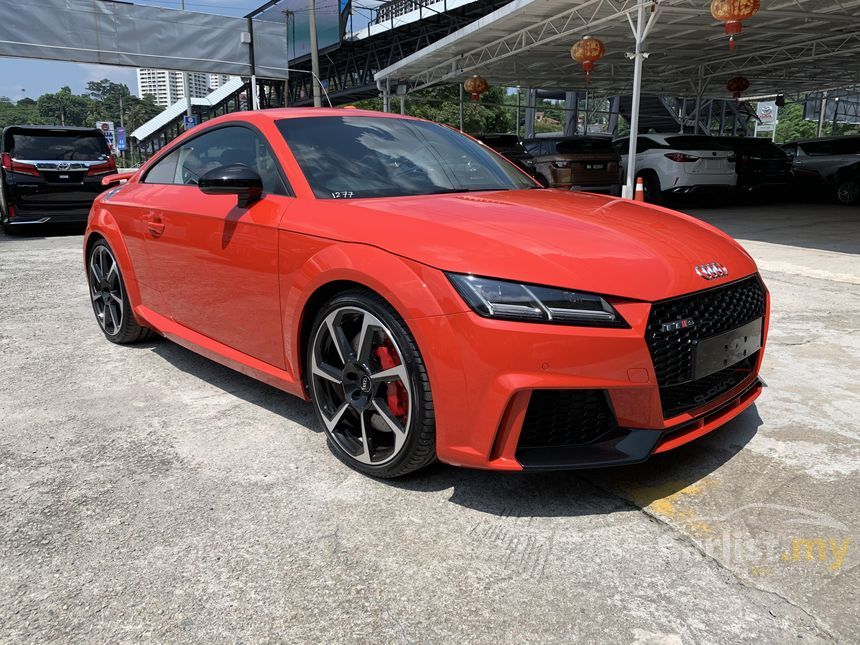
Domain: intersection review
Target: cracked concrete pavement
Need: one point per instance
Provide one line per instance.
(147, 493)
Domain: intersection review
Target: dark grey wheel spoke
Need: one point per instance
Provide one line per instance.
(106, 290)
(398, 430)
(352, 381)
(396, 373)
(332, 421)
(328, 372)
(344, 350)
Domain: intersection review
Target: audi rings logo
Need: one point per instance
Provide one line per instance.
(64, 165)
(711, 271)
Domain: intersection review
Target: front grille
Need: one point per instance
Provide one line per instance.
(557, 418)
(712, 311)
(679, 398)
(709, 312)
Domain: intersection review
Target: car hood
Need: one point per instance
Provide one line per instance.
(588, 242)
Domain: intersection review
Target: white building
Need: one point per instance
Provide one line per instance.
(167, 87)
(217, 80)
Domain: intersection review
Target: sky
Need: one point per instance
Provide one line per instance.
(24, 77)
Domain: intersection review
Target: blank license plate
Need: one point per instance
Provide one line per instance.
(595, 166)
(726, 349)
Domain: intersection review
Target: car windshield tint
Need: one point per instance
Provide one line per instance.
(694, 143)
(56, 146)
(580, 146)
(352, 157)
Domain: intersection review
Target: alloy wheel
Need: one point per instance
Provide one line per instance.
(106, 289)
(361, 385)
(848, 192)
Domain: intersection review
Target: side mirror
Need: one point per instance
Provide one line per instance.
(117, 178)
(235, 179)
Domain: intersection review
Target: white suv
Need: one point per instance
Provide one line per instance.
(680, 164)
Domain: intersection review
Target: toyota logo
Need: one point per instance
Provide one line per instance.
(711, 271)
(64, 165)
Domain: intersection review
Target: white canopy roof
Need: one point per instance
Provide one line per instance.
(788, 46)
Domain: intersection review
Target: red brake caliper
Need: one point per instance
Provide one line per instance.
(396, 396)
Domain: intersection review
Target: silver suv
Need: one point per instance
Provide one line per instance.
(830, 166)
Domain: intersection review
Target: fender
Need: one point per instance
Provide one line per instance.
(407, 285)
(103, 223)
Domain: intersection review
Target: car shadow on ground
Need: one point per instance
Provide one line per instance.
(593, 491)
(41, 231)
(517, 494)
(233, 382)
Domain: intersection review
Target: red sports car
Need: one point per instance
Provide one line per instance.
(429, 298)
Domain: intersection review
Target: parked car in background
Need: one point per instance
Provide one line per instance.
(681, 165)
(50, 173)
(829, 167)
(761, 165)
(576, 163)
(510, 147)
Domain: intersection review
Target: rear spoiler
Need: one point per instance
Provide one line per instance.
(115, 179)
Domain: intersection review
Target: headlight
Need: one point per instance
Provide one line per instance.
(533, 303)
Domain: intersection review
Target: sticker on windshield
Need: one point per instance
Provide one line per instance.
(346, 194)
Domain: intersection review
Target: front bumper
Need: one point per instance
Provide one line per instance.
(483, 374)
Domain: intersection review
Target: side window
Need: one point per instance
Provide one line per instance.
(221, 147)
(164, 171)
(547, 147)
(622, 145)
(643, 144)
(817, 148)
(847, 146)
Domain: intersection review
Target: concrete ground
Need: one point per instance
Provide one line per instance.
(149, 494)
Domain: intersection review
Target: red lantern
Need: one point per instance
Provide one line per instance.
(737, 85)
(476, 85)
(587, 51)
(732, 12)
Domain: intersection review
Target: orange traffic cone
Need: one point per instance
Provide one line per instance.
(639, 195)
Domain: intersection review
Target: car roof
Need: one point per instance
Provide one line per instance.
(578, 137)
(815, 139)
(55, 128)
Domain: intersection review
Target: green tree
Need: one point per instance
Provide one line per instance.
(791, 126)
(64, 108)
(493, 113)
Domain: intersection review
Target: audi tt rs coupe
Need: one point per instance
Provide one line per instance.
(429, 298)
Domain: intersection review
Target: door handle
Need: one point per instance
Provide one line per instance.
(155, 226)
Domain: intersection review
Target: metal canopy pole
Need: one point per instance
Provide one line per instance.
(571, 113)
(315, 52)
(518, 112)
(255, 100)
(640, 33)
(461, 107)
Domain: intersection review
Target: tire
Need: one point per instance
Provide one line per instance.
(369, 386)
(651, 185)
(4, 208)
(110, 298)
(847, 191)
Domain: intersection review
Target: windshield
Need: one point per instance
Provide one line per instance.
(580, 146)
(353, 157)
(693, 142)
(59, 146)
(759, 147)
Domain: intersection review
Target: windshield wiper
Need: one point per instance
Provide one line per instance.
(445, 191)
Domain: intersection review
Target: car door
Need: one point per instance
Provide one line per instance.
(216, 264)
